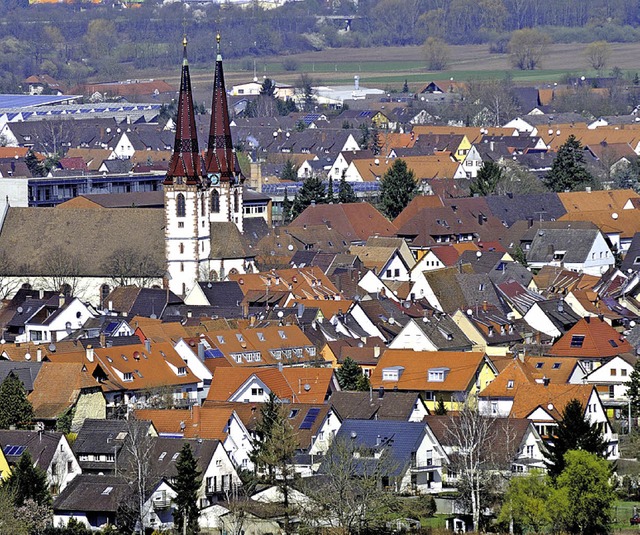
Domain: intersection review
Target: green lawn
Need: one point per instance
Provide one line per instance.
(623, 511)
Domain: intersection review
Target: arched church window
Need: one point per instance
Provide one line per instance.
(215, 201)
(181, 206)
(236, 201)
(203, 204)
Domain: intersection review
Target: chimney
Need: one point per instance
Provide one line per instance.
(195, 415)
(201, 351)
(479, 219)
(103, 340)
(39, 355)
(381, 392)
(90, 353)
(484, 305)
(491, 146)
(588, 189)
(61, 300)
(529, 222)
(147, 345)
(40, 294)
(110, 306)
(376, 352)
(378, 440)
(546, 381)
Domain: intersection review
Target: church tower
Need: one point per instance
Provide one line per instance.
(186, 227)
(203, 200)
(222, 172)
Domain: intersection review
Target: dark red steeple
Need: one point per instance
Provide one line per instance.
(220, 157)
(185, 160)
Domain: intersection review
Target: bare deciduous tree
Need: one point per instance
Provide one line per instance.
(481, 446)
(61, 272)
(350, 497)
(137, 468)
(8, 283)
(129, 267)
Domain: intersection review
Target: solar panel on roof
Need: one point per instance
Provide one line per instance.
(111, 327)
(213, 353)
(310, 418)
(13, 450)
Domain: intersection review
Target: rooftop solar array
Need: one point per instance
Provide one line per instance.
(310, 418)
(13, 450)
(23, 101)
(293, 187)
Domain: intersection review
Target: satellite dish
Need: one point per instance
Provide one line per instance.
(290, 247)
(391, 321)
(20, 310)
(632, 324)
(307, 387)
(52, 348)
(27, 356)
(614, 215)
(550, 406)
(354, 434)
(478, 254)
(153, 317)
(3, 341)
(280, 313)
(469, 312)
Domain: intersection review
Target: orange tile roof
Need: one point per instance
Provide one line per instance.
(557, 370)
(591, 337)
(303, 283)
(594, 201)
(13, 152)
(328, 308)
(263, 339)
(57, 387)
(290, 383)
(417, 204)
(461, 376)
(154, 369)
(157, 330)
(551, 398)
(199, 422)
(612, 221)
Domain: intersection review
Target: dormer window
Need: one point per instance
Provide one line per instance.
(260, 336)
(128, 376)
(282, 334)
(220, 339)
(182, 370)
(437, 374)
(392, 373)
(510, 383)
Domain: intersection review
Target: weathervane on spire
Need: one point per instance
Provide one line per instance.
(219, 58)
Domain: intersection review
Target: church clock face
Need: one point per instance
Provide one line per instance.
(215, 178)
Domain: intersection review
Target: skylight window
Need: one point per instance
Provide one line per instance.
(220, 339)
(556, 365)
(577, 340)
(282, 334)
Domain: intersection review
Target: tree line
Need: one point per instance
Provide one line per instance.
(73, 44)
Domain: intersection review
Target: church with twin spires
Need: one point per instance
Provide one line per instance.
(203, 197)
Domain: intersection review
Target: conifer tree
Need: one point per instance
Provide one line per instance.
(345, 191)
(568, 172)
(311, 191)
(330, 193)
(186, 487)
(289, 171)
(489, 175)
(397, 188)
(441, 410)
(15, 409)
(349, 374)
(28, 482)
(287, 205)
(574, 432)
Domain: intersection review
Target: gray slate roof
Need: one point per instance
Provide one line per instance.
(364, 406)
(576, 242)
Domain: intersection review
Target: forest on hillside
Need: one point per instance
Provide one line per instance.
(73, 42)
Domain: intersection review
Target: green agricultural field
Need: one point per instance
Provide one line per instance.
(388, 67)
